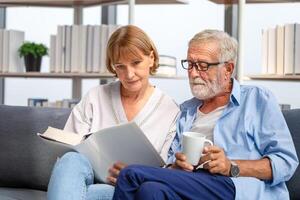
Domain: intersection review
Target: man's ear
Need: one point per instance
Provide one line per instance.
(229, 68)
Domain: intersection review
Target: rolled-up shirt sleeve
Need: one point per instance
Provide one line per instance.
(274, 140)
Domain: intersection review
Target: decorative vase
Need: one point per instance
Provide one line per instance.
(32, 64)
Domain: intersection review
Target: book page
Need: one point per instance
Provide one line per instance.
(99, 161)
(125, 143)
(62, 136)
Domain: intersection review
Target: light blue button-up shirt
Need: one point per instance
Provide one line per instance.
(250, 128)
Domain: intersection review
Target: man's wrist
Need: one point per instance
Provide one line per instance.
(234, 169)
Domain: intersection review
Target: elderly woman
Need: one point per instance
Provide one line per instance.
(132, 57)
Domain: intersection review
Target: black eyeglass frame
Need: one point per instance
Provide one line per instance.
(198, 66)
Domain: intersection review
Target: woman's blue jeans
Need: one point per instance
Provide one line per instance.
(73, 179)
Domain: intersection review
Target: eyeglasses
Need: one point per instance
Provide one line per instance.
(199, 65)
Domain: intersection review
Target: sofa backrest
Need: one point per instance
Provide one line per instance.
(292, 118)
(26, 159)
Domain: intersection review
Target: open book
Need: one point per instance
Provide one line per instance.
(125, 143)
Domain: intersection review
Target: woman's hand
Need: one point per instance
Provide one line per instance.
(181, 163)
(114, 172)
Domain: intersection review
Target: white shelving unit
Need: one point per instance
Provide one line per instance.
(240, 27)
(84, 3)
(78, 6)
(76, 75)
(273, 77)
(252, 1)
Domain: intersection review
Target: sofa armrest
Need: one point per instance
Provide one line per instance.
(26, 160)
(292, 118)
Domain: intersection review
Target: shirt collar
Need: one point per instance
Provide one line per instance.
(235, 95)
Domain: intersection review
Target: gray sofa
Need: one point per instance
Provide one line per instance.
(26, 160)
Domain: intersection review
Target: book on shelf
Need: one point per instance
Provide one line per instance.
(297, 49)
(68, 49)
(96, 48)
(65, 103)
(167, 66)
(89, 54)
(285, 106)
(60, 53)
(82, 48)
(264, 54)
(69, 103)
(103, 44)
(271, 51)
(133, 147)
(167, 60)
(280, 50)
(52, 56)
(37, 102)
(289, 35)
(75, 62)
(166, 71)
(11, 61)
(43, 102)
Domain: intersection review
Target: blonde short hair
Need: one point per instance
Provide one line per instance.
(125, 42)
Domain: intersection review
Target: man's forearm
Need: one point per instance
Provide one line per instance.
(260, 169)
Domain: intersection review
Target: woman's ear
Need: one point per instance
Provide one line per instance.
(151, 56)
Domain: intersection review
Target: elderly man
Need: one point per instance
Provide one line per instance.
(253, 153)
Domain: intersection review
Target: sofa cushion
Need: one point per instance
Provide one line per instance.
(26, 159)
(24, 194)
(292, 118)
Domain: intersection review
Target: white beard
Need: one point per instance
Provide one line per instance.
(205, 89)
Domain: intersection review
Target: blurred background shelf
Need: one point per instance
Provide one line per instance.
(273, 77)
(84, 3)
(75, 75)
(253, 1)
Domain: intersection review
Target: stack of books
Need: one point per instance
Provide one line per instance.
(285, 106)
(10, 41)
(37, 102)
(167, 66)
(80, 48)
(42, 102)
(281, 50)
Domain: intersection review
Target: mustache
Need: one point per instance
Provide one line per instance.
(197, 81)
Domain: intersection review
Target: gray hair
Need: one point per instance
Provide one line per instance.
(228, 46)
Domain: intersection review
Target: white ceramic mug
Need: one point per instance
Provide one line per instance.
(193, 144)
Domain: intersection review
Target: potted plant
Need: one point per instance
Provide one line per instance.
(33, 54)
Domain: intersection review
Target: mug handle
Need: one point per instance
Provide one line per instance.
(209, 142)
(201, 166)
